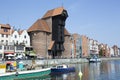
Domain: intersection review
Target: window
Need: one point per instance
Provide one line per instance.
(25, 36)
(0, 47)
(2, 35)
(20, 48)
(0, 55)
(6, 41)
(2, 41)
(11, 47)
(5, 30)
(5, 47)
(15, 36)
(6, 36)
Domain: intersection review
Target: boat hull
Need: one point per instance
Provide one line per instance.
(94, 60)
(63, 70)
(25, 74)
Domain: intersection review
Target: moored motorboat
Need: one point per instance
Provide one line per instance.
(62, 69)
(94, 60)
(25, 74)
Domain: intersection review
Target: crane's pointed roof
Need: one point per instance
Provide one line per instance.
(53, 12)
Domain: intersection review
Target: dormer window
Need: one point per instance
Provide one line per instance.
(6, 36)
(5, 30)
(25, 36)
(15, 36)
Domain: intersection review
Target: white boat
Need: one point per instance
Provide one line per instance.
(94, 60)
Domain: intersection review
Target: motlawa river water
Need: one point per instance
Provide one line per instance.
(106, 70)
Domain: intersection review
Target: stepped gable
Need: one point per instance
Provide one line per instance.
(39, 25)
(53, 12)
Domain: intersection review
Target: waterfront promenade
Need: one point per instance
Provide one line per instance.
(50, 62)
(47, 62)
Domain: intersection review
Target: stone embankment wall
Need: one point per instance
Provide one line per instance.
(55, 61)
(111, 58)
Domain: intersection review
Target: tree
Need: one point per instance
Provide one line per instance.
(100, 52)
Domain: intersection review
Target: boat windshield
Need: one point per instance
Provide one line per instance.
(62, 66)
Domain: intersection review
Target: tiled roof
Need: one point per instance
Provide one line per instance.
(39, 25)
(5, 25)
(53, 12)
(66, 32)
(51, 45)
(12, 31)
(20, 32)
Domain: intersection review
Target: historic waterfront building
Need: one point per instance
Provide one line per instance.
(80, 46)
(93, 47)
(49, 36)
(12, 41)
(19, 37)
(104, 50)
(76, 51)
(116, 50)
(5, 31)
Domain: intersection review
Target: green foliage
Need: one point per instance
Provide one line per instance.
(100, 52)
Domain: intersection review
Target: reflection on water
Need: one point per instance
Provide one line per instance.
(107, 70)
(47, 77)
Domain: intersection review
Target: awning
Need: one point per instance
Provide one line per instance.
(10, 55)
(10, 52)
(9, 62)
(32, 54)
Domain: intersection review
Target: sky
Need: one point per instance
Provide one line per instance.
(97, 19)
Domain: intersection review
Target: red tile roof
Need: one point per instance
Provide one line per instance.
(53, 12)
(66, 32)
(39, 25)
(5, 26)
(51, 45)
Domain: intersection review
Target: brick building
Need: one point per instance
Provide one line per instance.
(104, 50)
(49, 36)
(81, 45)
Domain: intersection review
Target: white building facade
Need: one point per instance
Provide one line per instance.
(5, 31)
(15, 38)
(12, 41)
(24, 38)
(20, 37)
(93, 46)
(111, 52)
